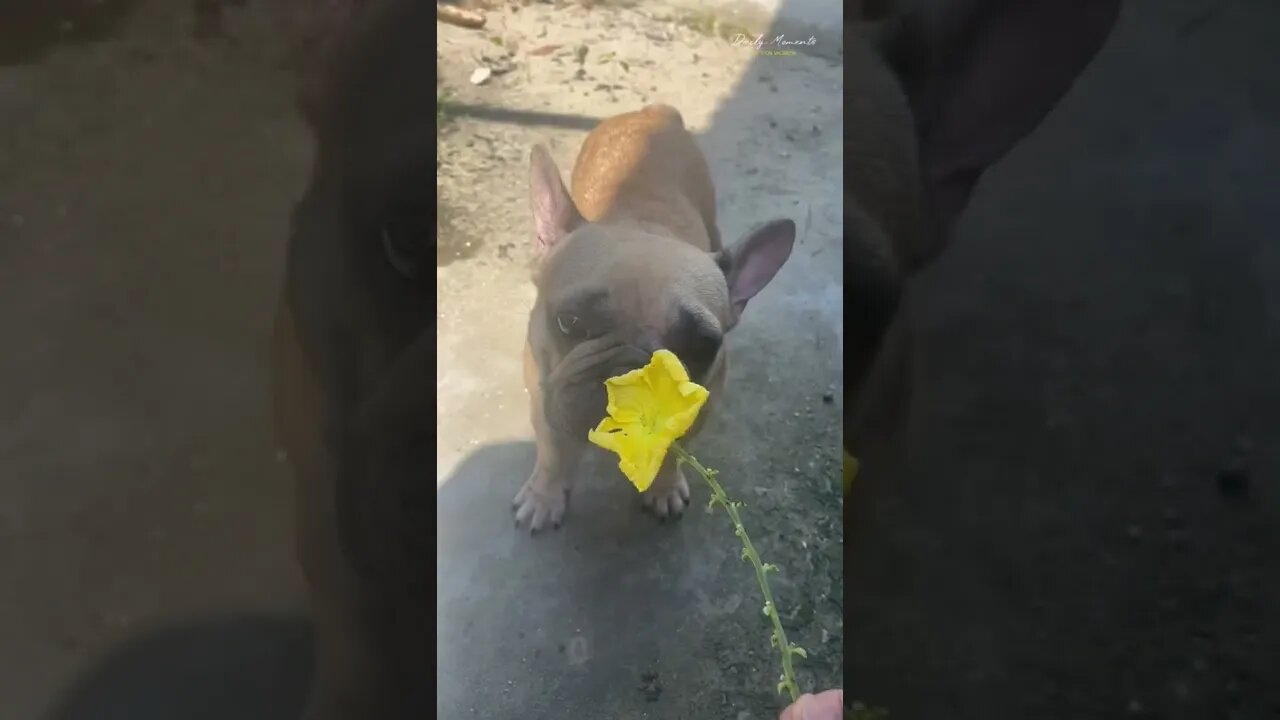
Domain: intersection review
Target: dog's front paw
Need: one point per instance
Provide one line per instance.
(540, 504)
(668, 496)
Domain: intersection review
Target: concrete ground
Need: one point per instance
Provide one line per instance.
(145, 183)
(1085, 521)
(616, 616)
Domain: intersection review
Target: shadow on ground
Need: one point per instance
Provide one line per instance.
(615, 615)
(241, 667)
(523, 117)
(604, 618)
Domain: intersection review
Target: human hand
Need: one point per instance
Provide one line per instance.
(827, 705)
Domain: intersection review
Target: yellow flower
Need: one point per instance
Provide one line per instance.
(648, 409)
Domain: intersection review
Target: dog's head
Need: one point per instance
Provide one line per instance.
(609, 295)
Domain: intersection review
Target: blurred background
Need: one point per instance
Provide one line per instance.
(149, 157)
(1084, 521)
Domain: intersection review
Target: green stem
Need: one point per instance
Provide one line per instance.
(749, 552)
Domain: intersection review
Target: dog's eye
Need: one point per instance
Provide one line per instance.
(403, 245)
(569, 324)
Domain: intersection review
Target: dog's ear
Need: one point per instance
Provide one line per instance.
(982, 74)
(751, 263)
(554, 214)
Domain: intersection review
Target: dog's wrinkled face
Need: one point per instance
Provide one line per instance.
(608, 298)
(609, 295)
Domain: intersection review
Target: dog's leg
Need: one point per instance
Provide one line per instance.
(543, 499)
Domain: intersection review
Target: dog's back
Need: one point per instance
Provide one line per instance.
(645, 167)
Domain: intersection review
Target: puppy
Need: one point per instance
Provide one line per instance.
(629, 263)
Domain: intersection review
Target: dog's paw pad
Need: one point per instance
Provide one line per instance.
(539, 508)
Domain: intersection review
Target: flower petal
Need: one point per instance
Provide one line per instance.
(640, 458)
(629, 403)
(648, 409)
(671, 365)
(634, 377)
(608, 434)
(679, 421)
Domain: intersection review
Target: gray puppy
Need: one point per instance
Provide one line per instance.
(631, 262)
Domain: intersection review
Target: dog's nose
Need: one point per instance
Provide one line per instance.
(649, 345)
(632, 359)
(637, 356)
